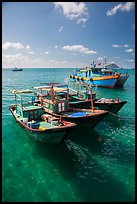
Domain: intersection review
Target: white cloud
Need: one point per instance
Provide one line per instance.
(60, 29)
(79, 48)
(114, 10)
(100, 58)
(46, 52)
(117, 57)
(73, 10)
(127, 6)
(31, 52)
(129, 60)
(8, 45)
(8, 61)
(115, 45)
(27, 47)
(123, 7)
(125, 45)
(129, 50)
(56, 46)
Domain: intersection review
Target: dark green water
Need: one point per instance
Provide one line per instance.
(91, 165)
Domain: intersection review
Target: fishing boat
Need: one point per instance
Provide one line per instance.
(80, 98)
(40, 126)
(109, 72)
(17, 69)
(110, 105)
(122, 79)
(113, 106)
(88, 77)
(56, 102)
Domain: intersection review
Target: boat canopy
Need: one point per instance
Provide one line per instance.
(48, 88)
(21, 91)
(42, 87)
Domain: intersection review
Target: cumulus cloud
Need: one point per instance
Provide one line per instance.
(25, 61)
(129, 50)
(73, 10)
(46, 52)
(127, 6)
(129, 60)
(8, 45)
(17, 46)
(27, 47)
(60, 29)
(122, 7)
(115, 45)
(56, 46)
(125, 45)
(113, 10)
(31, 52)
(79, 48)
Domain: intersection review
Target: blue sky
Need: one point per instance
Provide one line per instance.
(67, 34)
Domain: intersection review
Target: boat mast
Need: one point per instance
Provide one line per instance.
(105, 62)
(52, 97)
(92, 107)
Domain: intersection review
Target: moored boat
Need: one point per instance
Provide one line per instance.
(88, 77)
(56, 103)
(109, 72)
(122, 80)
(17, 69)
(110, 105)
(40, 127)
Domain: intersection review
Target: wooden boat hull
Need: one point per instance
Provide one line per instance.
(112, 107)
(52, 135)
(80, 104)
(16, 70)
(122, 80)
(88, 120)
(102, 81)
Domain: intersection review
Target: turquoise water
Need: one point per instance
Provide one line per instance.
(91, 165)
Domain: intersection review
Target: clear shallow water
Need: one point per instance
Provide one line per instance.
(91, 165)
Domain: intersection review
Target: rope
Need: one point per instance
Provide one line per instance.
(121, 115)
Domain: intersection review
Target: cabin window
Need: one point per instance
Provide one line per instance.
(61, 107)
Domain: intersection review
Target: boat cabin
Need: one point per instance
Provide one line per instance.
(55, 99)
(27, 109)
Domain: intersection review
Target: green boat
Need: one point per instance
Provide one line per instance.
(110, 105)
(40, 126)
(55, 101)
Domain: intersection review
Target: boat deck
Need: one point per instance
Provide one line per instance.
(47, 125)
(43, 124)
(31, 107)
(75, 114)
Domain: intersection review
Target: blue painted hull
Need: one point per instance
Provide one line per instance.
(109, 83)
(103, 83)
